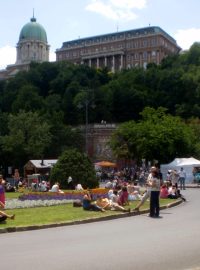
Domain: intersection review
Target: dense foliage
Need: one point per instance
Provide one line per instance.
(157, 136)
(51, 94)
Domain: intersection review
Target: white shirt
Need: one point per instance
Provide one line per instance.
(55, 188)
(182, 174)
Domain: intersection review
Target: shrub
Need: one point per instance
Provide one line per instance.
(78, 166)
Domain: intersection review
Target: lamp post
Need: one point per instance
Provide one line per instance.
(85, 102)
(86, 125)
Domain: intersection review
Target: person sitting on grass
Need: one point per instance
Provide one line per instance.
(123, 197)
(174, 193)
(164, 192)
(89, 205)
(4, 216)
(114, 197)
(56, 188)
(107, 204)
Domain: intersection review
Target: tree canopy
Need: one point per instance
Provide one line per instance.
(157, 136)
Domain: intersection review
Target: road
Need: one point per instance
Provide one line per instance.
(138, 242)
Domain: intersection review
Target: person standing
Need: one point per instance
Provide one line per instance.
(154, 184)
(174, 178)
(16, 178)
(2, 192)
(147, 193)
(182, 177)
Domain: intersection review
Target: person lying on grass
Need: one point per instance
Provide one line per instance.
(107, 204)
(4, 216)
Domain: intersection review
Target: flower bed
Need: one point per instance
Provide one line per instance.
(67, 195)
(15, 203)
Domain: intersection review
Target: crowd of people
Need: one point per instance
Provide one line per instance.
(123, 186)
(154, 187)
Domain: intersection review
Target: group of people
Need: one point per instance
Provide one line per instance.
(177, 177)
(120, 193)
(102, 203)
(119, 196)
(155, 189)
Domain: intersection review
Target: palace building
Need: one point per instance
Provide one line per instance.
(120, 50)
(32, 46)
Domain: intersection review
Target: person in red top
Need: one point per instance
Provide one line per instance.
(123, 199)
(164, 192)
(2, 192)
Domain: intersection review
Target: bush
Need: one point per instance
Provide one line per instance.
(78, 166)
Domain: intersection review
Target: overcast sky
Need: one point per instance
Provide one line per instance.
(66, 20)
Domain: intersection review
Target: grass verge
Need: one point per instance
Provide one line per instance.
(60, 214)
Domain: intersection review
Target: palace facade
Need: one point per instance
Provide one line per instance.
(120, 50)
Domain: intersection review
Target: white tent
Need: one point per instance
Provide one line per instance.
(187, 163)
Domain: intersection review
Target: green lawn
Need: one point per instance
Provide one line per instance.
(59, 214)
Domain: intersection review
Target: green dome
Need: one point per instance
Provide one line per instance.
(33, 31)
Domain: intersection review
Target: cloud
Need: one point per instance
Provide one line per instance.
(129, 4)
(186, 37)
(117, 9)
(7, 56)
(52, 56)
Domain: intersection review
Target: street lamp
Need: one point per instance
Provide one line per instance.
(86, 125)
(86, 101)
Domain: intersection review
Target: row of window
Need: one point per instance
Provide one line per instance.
(74, 54)
(147, 43)
(142, 55)
(103, 39)
(136, 55)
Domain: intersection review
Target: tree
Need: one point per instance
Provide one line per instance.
(63, 136)
(27, 138)
(78, 166)
(27, 99)
(157, 136)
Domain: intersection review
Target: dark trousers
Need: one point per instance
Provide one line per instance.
(182, 182)
(154, 204)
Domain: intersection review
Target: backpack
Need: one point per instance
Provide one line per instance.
(77, 203)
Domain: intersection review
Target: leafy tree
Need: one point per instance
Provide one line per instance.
(194, 123)
(157, 136)
(28, 137)
(78, 166)
(27, 99)
(63, 136)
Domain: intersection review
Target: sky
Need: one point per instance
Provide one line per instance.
(66, 20)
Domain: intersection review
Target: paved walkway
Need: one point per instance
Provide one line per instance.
(169, 243)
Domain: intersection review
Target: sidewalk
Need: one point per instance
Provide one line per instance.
(192, 185)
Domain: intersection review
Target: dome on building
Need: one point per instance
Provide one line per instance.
(33, 31)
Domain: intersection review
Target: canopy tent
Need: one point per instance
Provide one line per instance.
(187, 163)
(105, 164)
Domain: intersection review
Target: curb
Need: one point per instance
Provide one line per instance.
(85, 221)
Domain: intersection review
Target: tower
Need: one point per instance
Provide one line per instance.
(32, 44)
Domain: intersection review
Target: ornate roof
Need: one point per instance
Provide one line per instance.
(33, 31)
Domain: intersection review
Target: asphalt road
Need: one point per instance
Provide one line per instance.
(138, 242)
